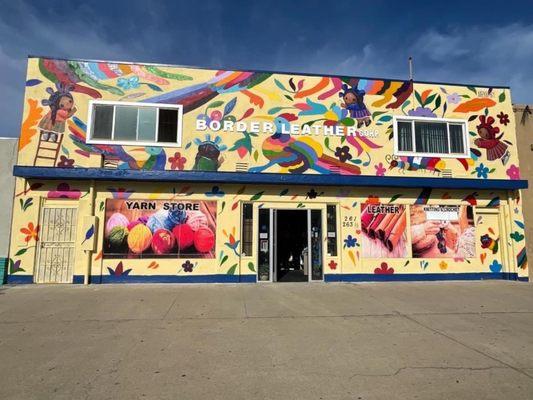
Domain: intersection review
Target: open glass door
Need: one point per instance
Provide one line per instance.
(315, 244)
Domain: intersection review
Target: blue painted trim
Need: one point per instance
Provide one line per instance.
(30, 172)
(19, 279)
(468, 276)
(186, 66)
(222, 278)
(219, 278)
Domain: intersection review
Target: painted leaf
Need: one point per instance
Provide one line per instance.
(284, 192)
(215, 104)
(230, 106)
(474, 105)
(274, 110)
(257, 196)
(234, 206)
(519, 223)
(33, 82)
(291, 84)
(280, 85)
(396, 196)
(232, 270)
(251, 266)
(154, 87)
(247, 113)
(501, 98)
(224, 259)
(256, 155)
(21, 251)
(352, 256)
(89, 234)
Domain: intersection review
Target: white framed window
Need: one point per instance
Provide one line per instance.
(430, 137)
(131, 123)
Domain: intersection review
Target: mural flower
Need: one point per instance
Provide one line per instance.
(513, 172)
(332, 265)
(343, 153)
(350, 241)
(384, 269)
(215, 192)
(120, 193)
(65, 162)
(128, 83)
(187, 266)
(495, 266)
(177, 161)
(482, 171)
(232, 243)
(380, 169)
(443, 265)
(119, 270)
(453, 98)
(64, 191)
(31, 232)
(422, 112)
(313, 194)
(504, 118)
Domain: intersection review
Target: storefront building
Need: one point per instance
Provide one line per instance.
(153, 173)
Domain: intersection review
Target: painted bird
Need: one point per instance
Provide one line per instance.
(156, 155)
(300, 154)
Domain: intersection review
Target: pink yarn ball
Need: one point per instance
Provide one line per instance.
(196, 219)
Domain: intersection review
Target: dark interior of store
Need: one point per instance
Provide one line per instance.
(292, 246)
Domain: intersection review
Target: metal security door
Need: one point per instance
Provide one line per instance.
(56, 245)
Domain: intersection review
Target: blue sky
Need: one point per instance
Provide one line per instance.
(479, 42)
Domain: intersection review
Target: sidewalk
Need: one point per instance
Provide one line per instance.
(438, 340)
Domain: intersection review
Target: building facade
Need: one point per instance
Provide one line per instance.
(134, 172)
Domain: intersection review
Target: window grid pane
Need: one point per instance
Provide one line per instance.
(456, 139)
(405, 136)
(431, 137)
(125, 123)
(103, 122)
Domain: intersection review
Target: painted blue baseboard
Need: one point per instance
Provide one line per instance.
(468, 276)
(222, 278)
(19, 279)
(219, 278)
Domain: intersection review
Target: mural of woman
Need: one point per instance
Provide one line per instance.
(490, 140)
(61, 105)
(355, 104)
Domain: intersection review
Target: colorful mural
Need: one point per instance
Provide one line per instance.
(251, 122)
(321, 124)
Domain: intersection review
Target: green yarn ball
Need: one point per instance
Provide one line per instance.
(117, 237)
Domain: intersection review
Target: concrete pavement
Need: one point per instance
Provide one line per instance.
(457, 340)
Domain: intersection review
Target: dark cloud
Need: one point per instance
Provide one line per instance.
(450, 41)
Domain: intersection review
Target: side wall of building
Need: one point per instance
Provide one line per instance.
(8, 158)
(523, 115)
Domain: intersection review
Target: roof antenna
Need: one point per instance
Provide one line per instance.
(410, 68)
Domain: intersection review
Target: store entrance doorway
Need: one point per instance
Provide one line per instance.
(290, 245)
(292, 261)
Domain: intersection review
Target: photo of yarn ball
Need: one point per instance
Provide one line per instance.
(159, 229)
(383, 229)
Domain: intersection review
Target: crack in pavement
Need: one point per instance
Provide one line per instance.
(453, 339)
(400, 370)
